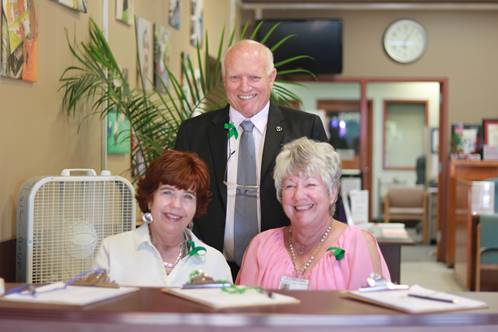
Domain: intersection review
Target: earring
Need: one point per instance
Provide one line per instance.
(147, 218)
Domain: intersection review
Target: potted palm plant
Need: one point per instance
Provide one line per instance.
(154, 117)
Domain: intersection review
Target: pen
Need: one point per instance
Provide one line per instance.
(433, 298)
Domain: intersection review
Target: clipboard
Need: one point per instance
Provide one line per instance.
(56, 293)
(401, 300)
(216, 298)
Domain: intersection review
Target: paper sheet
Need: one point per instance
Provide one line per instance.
(218, 299)
(71, 295)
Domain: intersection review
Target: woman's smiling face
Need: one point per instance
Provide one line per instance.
(305, 200)
(172, 209)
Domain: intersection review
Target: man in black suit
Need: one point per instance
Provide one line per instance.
(248, 76)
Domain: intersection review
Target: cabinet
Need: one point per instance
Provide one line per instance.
(462, 170)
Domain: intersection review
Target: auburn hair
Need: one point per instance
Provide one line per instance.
(183, 170)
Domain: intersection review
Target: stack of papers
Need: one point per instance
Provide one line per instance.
(393, 231)
(56, 293)
(417, 300)
(218, 299)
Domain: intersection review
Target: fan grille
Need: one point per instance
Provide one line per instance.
(70, 220)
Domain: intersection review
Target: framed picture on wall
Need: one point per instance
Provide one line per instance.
(490, 132)
(144, 36)
(118, 133)
(174, 14)
(79, 5)
(19, 40)
(162, 49)
(466, 138)
(124, 11)
(196, 22)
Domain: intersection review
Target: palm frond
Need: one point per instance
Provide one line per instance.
(95, 79)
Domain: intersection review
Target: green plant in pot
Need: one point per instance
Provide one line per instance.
(155, 117)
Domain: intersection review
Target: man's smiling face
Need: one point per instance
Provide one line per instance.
(247, 79)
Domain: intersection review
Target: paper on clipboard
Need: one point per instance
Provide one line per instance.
(399, 300)
(218, 299)
(70, 295)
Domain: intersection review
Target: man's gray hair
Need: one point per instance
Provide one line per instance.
(266, 50)
(304, 156)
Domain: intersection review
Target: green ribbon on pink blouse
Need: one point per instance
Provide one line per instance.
(232, 131)
(337, 252)
(194, 250)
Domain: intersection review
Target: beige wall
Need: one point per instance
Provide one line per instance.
(38, 139)
(461, 46)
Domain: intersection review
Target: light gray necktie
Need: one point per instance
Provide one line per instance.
(245, 216)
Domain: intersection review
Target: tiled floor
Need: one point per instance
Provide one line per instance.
(419, 266)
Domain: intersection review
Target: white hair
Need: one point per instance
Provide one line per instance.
(304, 156)
(266, 52)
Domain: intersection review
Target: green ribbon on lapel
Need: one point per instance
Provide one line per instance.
(193, 250)
(232, 131)
(337, 252)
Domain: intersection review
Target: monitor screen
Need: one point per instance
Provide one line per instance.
(319, 39)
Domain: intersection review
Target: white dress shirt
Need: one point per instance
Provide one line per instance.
(260, 120)
(131, 259)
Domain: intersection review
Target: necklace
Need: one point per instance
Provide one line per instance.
(180, 254)
(309, 261)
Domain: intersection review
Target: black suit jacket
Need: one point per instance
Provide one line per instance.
(206, 136)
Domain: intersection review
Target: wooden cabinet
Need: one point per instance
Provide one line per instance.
(462, 170)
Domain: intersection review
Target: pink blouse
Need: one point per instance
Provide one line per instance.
(266, 260)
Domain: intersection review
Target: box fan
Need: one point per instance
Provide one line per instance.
(62, 220)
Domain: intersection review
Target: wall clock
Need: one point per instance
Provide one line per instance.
(405, 40)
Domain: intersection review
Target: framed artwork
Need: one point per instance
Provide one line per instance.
(490, 132)
(118, 133)
(465, 138)
(79, 5)
(144, 36)
(174, 17)
(404, 134)
(162, 49)
(434, 140)
(19, 40)
(124, 11)
(196, 22)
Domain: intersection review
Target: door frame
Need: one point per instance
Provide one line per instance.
(443, 156)
(354, 105)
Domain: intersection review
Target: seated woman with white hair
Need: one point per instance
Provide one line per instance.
(315, 251)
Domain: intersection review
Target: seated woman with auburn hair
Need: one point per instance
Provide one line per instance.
(163, 252)
(315, 251)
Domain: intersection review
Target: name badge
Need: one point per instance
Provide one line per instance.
(293, 283)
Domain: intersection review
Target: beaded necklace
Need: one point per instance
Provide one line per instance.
(309, 261)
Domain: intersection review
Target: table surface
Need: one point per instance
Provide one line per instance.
(149, 308)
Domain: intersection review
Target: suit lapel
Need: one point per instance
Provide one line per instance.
(218, 146)
(275, 133)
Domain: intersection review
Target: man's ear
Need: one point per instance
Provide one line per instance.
(273, 74)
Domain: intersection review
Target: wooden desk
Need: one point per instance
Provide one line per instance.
(151, 310)
(391, 250)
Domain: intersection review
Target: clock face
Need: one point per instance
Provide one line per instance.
(405, 40)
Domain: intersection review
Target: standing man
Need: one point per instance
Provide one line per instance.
(244, 199)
